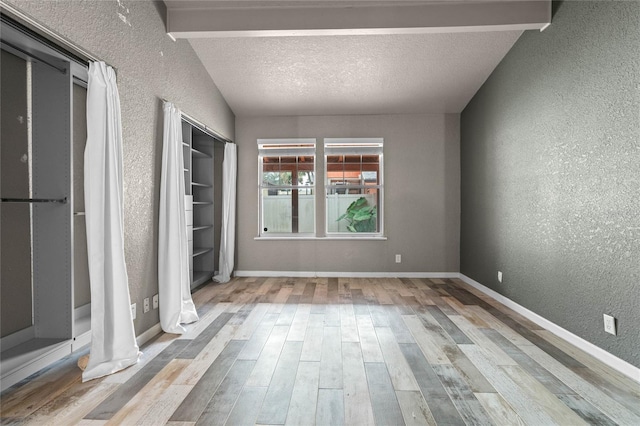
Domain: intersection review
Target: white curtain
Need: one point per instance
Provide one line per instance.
(228, 229)
(176, 305)
(113, 341)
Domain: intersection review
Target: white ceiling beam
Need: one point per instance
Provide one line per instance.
(439, 17)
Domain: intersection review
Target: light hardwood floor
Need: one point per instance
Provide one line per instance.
(329, 351)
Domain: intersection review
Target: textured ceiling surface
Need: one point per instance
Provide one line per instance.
(355, 74)
(344, 73)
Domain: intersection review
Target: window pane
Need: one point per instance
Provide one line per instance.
(370, 177)
(270, 160)
(270, 167)
(352, 211)
(306, 210)
(270, 178)
(306, 178)
(278, 214)
(353, 187)
(276, 211)
(287, 187)
(282, 170)
(352, 167)
(335, 178)
(285, 178)
(370, 167)
(270, 170)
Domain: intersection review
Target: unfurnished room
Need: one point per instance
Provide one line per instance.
(318, 212)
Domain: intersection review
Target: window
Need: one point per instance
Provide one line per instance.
(287, 187)
(354, 186)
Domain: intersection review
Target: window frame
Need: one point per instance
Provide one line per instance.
(288, 147)
(355, 146)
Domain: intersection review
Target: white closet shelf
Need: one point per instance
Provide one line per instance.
(200, 228)
(201, 185)
(202, 203)
(199, 154)
(197, 251)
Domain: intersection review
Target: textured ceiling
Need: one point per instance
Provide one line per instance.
(360, 74)
(337, 72)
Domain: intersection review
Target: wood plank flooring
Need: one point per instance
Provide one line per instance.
(332, 351)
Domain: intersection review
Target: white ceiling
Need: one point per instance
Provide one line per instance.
(338, 71)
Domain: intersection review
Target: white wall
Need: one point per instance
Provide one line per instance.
(422, 196)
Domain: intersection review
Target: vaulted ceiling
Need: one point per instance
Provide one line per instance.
(309, 57)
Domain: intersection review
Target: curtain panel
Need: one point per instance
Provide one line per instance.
(174, 292)
(113, 342)
(228, 228)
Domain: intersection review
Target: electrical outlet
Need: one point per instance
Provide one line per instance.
(398, 258)
(145, 306)
(499, 276)
(133, 311)
(155, 302)
(609, 324)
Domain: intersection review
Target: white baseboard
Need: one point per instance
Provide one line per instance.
(597, 352)
(85, 338)
(314, 274)
(148, 335)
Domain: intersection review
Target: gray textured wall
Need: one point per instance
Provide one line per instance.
(131, 36)
(550, 159)
(422, 202)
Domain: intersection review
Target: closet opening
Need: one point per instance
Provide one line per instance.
(44, 291)
(203, 153)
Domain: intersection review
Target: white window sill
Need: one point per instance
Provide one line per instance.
(330, 238)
